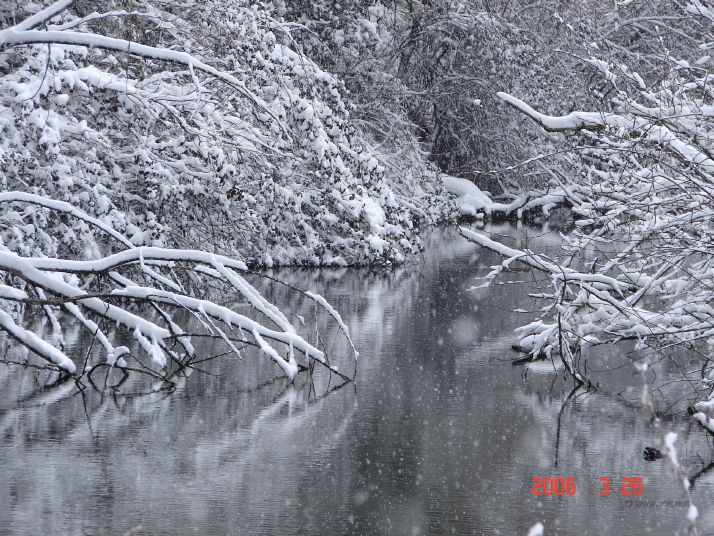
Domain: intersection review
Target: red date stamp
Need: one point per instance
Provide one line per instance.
(554, 486)
(547, 486)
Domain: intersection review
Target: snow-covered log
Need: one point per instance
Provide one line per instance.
(472, 202)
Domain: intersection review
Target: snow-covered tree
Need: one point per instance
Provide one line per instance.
(640, 263)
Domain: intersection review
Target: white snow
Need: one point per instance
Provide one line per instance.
(333, 312)
(704, 420)
(692, 513)
(35, 343)
(572, 121)
(536, 530)
(470, 200)
(669, 441)
(289, 367)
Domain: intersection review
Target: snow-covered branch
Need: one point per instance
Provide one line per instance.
(42, 16)
(474, 203)
(686, 150)
(60, 284)
(572, 121)
(43, 276)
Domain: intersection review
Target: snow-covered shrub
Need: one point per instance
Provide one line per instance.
(263, 163)
(355, 41)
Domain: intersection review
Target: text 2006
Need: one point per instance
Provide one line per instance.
(545, 487)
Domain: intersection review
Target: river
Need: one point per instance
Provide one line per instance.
(439, 434)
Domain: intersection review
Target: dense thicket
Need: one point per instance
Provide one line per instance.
(314, 133)
(428, 72)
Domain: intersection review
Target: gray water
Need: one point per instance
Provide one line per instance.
(439, 434)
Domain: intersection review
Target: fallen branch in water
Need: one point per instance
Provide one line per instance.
(106, 290)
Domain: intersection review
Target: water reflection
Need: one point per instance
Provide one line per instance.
(440, 434)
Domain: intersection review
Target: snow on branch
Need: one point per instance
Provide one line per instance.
(31, 341)
(61, 206)
(686, 149)
(11, 37)
(23, 34)
(572, 121)
(474, 203)
(42, 16)
(540, 262)
(142, 254)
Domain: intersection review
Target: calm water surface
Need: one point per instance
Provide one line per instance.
(439, 435)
